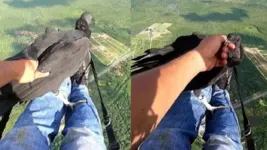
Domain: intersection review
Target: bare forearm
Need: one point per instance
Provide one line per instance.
(160, 86)
(21, 71)
(7, 73)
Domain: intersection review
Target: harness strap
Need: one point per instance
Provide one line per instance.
(246, 123)
(4, 121)
(113, 143)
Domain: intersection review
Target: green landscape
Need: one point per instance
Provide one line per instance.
(24, 20)
(244, 17)
(107, 49)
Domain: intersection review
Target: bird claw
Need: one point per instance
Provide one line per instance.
(204, 101)
(69, 104)
(72, 104)
(213, 108)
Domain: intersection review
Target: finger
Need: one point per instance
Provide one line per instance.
(32, 64)
(223, 38)
(224, 55)
(231, 46)
(38, 75)
(222, 63)
(225, 49)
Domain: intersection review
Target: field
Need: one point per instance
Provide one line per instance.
(22, 21)
(154, 31)
(258, 57)
(107, 49)
(212, 17)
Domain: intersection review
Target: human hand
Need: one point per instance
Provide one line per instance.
(213, 52)
(25, 70)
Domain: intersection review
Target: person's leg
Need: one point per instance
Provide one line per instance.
(179, 127)
(222, 127)
(83, 128)
(38, 124)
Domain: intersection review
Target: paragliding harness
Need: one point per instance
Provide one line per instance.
(246, 123)
(156, 57)
(113, 143)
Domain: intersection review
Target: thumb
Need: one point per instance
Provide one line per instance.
(222, 38)
(217, 38)
(40, 75)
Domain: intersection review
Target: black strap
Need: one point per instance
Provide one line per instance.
(4, 121)
(113, 144)
(246, 123)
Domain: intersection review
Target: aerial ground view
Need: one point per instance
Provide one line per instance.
(24, 20)
(158, 23)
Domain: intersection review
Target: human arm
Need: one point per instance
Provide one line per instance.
(21, 71)
(154, 91)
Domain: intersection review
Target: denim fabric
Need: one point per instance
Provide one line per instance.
(83, 128)
(179, 127)
(222, 126)
(39, 123)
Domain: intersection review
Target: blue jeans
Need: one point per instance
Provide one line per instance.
(39, 123)
(179, 127)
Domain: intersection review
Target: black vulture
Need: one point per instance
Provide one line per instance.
(158, 56)
(59, 52)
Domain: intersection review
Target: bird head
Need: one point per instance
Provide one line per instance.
(236, 56)
(84, 23)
